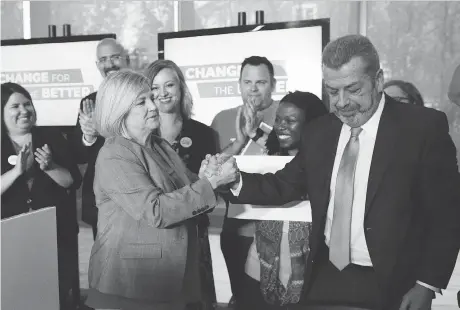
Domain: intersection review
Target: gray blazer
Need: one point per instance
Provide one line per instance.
(147, 201)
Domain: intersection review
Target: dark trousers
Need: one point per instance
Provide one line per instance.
(354, 286)
(235, 249)
(251, 298)
(89, 212)
(67, 262)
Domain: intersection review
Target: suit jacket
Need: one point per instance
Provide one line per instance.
(147, 203)
(412, 210)
(87, 155)
(44, 192)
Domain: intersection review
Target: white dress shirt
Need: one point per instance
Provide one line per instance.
(358, 246)
(86, 143)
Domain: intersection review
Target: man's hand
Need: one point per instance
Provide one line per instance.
(227, 173)
(251, 118)
(241, 136)
(87, 127)
(418, 298)
(88, 107)
(86, 121)
(209, 167)
(224, 158)
(219, 169)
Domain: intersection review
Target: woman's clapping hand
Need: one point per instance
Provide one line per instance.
(44, 157)
(22, 159)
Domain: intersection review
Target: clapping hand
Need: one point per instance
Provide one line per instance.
(251, 118)
(44, 158)
(240, 122)
(220, 169)
(86, 120)
(22, 159)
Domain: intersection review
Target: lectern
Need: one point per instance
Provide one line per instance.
(29, 261)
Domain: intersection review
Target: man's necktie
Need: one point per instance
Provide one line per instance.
(339, 245)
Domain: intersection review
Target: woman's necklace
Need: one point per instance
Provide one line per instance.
(172, 131)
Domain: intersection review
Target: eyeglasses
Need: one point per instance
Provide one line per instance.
(113, 59)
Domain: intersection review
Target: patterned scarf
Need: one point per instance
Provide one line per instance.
(268, 241)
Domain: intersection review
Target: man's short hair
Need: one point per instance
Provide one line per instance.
(114, 42)
(115, 98)
(342, 50)
(111, 41)
(257, 61)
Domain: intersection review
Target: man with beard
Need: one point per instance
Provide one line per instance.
(382, 179)
(111, 57)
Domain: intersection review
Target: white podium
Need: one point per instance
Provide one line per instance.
(29, 261)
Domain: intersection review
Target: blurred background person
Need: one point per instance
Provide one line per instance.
(146, 254)
(192, 140)
(38, 171)
(404, 92)
(111, 57)
(276, 261)
(454, 91)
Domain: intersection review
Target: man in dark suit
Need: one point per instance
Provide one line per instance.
(111, 57)
(384, 187)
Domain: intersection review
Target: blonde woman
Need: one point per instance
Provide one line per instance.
(192, 140)
(146, 252)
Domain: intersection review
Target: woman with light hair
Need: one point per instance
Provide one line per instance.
(146, 252)
(192, 140)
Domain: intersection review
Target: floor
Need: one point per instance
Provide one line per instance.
(448, 301)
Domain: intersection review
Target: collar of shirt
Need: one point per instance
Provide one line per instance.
(270, 110)
(372, 125)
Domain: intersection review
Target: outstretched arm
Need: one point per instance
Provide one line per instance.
(122, 176)
(278, 188)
